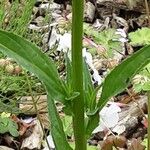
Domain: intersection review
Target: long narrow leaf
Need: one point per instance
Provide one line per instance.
(31, 58)
(120, 77)
(88, 88)
(57, 127)
(117, 81)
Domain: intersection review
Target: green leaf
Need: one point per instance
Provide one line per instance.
(58, 134)
(91, 124)
(32, 58)
(117, 81)
(67, 124)
(145, 142)
(146, 86)
(7, 125)
(88, 88)
(140, 37)
(107, 38)
(4, 125)
(120, 77)
(138, 87)
(12, 127)
(89, 147)
(68, 70)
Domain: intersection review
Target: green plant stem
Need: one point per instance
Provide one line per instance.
(148, 128)
(77, 68)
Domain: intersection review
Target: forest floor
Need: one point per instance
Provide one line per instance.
(113, 30)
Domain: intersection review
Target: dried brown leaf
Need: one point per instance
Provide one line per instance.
(136, 145)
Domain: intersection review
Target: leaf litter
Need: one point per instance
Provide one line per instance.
(109, 45)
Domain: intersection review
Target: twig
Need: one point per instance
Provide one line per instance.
(36, 109)
(147, 11)
(136, 103)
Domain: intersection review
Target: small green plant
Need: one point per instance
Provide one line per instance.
(13, 85)
(141, 82)
(76, 93)
(140, 37)
(8, 125)
(16, 15)
(67, 125)
(107, 38)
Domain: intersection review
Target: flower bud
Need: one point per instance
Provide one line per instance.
(9, 68)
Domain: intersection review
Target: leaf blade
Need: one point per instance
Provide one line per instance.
(30, 57)
(57, 127)
(120, 77)
(137, 61)
(39, 64)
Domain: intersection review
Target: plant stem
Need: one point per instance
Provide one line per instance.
(36, 109)
(147, 11)
(148, 128)
(77, 68)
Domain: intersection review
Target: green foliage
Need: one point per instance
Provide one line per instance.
(89, 147)
(13, 86)
(107, 38)
(141, 82)
(119, 78)
(140, 37)
(22, 22)
(7, 125)
(10, 106)
(2, 12)
(31, 58)
(67, 124)
(56, 125)
(43, 67)
(145, 143)
(16, 15)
